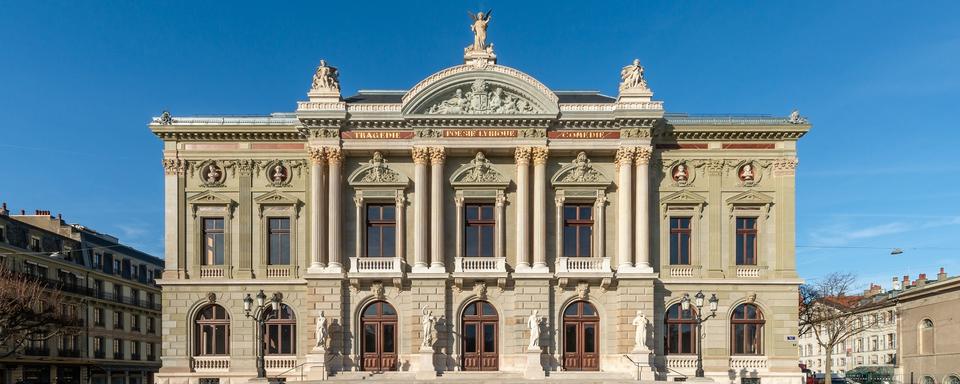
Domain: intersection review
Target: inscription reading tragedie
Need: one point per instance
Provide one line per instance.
(377, 135)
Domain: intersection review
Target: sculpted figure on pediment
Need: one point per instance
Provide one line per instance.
(480, 99)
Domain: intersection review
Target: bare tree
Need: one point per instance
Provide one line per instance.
(28, 311)
(828, 310)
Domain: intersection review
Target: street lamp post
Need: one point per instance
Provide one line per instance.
(698, 302)
(259, 315)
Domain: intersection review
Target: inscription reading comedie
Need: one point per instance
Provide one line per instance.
(584, 134)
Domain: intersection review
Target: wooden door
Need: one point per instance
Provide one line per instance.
(581, 337)
(479, 337)
(378, 338)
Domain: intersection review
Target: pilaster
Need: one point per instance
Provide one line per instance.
(245, 211)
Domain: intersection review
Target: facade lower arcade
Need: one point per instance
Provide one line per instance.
(473, 221)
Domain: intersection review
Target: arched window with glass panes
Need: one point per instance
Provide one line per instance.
(681, 327)
(280, 331)
(746, 328)
(212, 331)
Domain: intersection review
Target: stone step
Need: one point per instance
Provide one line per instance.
(479, 378)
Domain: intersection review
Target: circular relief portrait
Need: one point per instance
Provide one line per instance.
(681, 173)
(212, 174)
(747, 172)
(278, 174)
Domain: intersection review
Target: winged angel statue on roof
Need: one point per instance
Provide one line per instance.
(479, 28)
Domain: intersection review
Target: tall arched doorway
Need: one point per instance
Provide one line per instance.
(378, 337)
(479, 337)
(581, 337)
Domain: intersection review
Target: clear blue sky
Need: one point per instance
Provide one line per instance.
(879, 81)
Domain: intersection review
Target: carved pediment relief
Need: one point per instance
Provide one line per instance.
(491, 90)
(482, 98)
(277, 198)
(478, 172)
(684, 197)
(211, 199)
(751, 197)
(579, 172)
(376, 172)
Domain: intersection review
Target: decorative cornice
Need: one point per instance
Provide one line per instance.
(587, 107)
(179, 135)
(374, 107)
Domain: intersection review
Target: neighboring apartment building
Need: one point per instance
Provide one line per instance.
(929, 327)
(108, 285)
(433, 226)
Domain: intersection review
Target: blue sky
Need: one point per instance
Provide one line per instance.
(878, 80)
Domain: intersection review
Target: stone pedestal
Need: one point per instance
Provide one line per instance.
(425, 369)
(642, 361)
(316, 365)
(258, 380)
(699, 380)
(534, 369)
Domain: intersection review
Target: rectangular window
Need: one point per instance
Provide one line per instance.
(478, 230)
(117, 267)
(134, 322)
(98, 346)
(577, 230)
(680, 240)
(118, 293)
(117, 320)
(35, 244)
(117, 349)
(98, 317)
(381, 230)
(746, 241)
(151, 325)
(213, 242)
(279, 241)
(3, 234)
(108, 263)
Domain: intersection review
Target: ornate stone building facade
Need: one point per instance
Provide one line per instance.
(480, 221)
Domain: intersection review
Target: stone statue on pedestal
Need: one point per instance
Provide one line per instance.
(427, 320)
(320, 333)
(479, 28)
(640, 338)
(534, 322)
(631, 77)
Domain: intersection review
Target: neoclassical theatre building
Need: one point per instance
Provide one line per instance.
(480, 221)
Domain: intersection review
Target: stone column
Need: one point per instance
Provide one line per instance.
(245, 208)
(540, 209)
(437, 158)
(600, 218)
(334, 245)
(173, 171)
(522, 158)
(642, 236)
(499, 226)
(401, 217)
(420, 232)
(624, 161)
(318, 210)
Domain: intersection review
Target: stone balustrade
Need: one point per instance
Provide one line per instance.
(480, 264)
(681, 271)
(748, 362)
(583, 264)
(210, 363)
(376, 265)
(279, 362)
(748, 271)
(280, 271)
(682, 362)
(213, 271)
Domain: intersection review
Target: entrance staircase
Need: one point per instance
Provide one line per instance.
(478, 378)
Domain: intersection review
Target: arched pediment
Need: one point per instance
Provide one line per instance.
(478, 172)
(376, 172)
(468, 90)
(580, 172)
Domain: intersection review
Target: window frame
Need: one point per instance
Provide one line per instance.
(288, 338)
(679, 232)
(683, 319)
(205, 232)
(271, 231)
(220, 325)
(757, 323)
(741, 260)
(380, 223)
(477, 225)
(578, 223)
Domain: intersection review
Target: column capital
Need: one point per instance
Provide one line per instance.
(437, 155)
(624, 156)
(501, 198)
(174, 166)
(420, 154)
(334, 155)
(785, 166)
(540, 155)
(643, 154)
(317, 155)
(522, 155)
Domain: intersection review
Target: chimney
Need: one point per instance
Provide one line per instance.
(896, 284)
(942, 275)
(3, 210)
(921, 280)
(23, 212)
(59, 217)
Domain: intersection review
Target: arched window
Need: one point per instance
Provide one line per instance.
(280, 334)
(479, 337)
(681, 336)
(926, 337)
(746, 327)
(212, 331)
(953, 380)
(928, 379)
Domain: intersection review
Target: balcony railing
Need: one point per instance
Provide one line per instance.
(118, 355)
(151, 358)
(748, 362)
(480, 264)
(99, 355)
(583, 264)
(683, 271)
(280, 271)
(279, 362)
(68, 353)
(210, 363)
(743, 271)
(135, 356)
(36, 351)
(376, 265)
(681, 362)
(213, 271)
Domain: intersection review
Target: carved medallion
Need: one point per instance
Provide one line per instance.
(212, 175)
